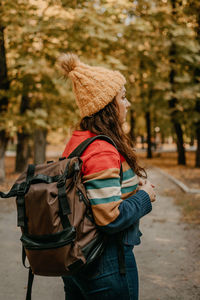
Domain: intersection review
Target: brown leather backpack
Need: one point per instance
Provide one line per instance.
(59, 236)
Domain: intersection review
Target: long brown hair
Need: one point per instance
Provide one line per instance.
(106, 121)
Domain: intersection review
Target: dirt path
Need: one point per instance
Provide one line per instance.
(168, 257)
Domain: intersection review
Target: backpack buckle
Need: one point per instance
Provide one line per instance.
(61, 181)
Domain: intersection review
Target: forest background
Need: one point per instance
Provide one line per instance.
(155, 44)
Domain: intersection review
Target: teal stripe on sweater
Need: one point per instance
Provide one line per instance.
(128, 174)
(104, 200)
(129, 189)
(102, 183)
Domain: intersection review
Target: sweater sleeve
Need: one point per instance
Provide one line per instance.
(102, 182)
(130, 211)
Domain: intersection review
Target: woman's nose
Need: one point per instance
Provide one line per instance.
(128, 104)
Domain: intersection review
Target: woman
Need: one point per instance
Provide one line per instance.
(117, 206)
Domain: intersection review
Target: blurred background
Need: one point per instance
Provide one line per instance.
(155, 44)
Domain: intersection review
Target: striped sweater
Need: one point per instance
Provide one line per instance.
(116, 206)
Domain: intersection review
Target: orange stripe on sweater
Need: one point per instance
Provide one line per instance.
(125, 166)
(127, 195)
(105, 174)
(106, 213)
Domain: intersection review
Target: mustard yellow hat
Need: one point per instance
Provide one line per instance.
(94, 87)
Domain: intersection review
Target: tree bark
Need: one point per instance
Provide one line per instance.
(197, 160)
(4, 86)
(40, 146)
(132, 121)
(148, 126)
(143, 96)
(22, 153)
(197, 74)
(173, 102)
(180, 144)
(178, 131)
(3, 146)
(192, 140)
(162, 138)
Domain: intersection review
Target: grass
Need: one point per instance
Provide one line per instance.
(190, 206)
(168, 162)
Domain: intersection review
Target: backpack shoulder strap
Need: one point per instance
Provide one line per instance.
(82, 147)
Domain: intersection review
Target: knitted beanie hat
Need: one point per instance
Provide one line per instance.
(94, 87)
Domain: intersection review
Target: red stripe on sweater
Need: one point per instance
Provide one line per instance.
(99, 150)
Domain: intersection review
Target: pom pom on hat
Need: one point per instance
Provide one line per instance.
(68, 62)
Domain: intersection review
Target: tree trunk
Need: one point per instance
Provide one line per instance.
(197, 74)
(178, 130)
(4, 86)
(4, 83)
(3, 146)
(179, 133)
(191, 140)
(180, 144)
(132, 121)
(162, 138)
(22, 153)
(142, 141)
(40, 146)
(173, 102)
(195, 10)
(148, 126)
(197, 161)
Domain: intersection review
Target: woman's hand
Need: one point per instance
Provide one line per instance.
(148, 187)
